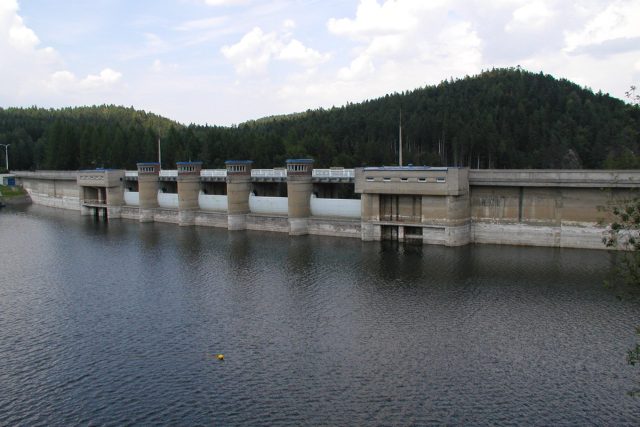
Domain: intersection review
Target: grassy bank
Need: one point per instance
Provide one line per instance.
(8, 192)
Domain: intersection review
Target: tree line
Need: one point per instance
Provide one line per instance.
(502, 118)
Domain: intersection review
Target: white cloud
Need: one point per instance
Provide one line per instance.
(619, 21)
(106, 77)
(359, 68)
(374, 19)
(63, 79)
(14, 34)
(37, 72)
(534, 15)
(255, 50)
(296, 52)
(405, 42)
(67, 81)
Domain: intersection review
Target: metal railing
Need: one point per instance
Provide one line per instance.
(333, 173)
(260, 173)
(269, 173)
(213, 172)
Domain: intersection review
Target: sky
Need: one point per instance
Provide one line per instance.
(223, 62)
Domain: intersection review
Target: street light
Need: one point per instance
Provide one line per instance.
(6, 155)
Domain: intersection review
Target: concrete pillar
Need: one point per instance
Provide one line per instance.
(370, 212)
(148, 174)
(238, 189)
(115, 200)
(299, 189)
(188, 191)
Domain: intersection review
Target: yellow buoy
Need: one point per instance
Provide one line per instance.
(220, 356)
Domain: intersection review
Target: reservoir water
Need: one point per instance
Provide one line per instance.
(119, 323)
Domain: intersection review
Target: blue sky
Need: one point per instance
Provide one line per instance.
(228, 61)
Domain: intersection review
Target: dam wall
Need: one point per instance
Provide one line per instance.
(560, 208)
(57, 189)
(427, 205)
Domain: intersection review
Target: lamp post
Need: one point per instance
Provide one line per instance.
(6, 155)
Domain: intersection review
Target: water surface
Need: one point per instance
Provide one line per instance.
(119, 323)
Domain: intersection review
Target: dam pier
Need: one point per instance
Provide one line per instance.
(430, 205)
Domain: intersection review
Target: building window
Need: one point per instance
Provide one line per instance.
(441, 179)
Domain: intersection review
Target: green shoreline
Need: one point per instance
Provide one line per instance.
(13, 195)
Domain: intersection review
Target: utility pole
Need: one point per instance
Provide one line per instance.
(6, 155)
(159, 153)
(400, 140)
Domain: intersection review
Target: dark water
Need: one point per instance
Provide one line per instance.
(119, 324)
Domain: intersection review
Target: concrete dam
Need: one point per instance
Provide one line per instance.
(428, 205)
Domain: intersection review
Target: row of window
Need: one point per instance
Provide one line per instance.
(439, 179)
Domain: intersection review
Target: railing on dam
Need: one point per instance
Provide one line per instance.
(168, 173)
(214, 173)
(333, 173)
(268, 173)
(277, 174)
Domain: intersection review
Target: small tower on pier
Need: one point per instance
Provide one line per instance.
(238, 189)
(188, 191)
(299, 189)
(148, 174)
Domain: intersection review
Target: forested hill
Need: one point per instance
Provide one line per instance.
(71, 138)
(504, 118)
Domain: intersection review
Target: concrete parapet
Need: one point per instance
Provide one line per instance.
(555, 178)
(44, 174)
